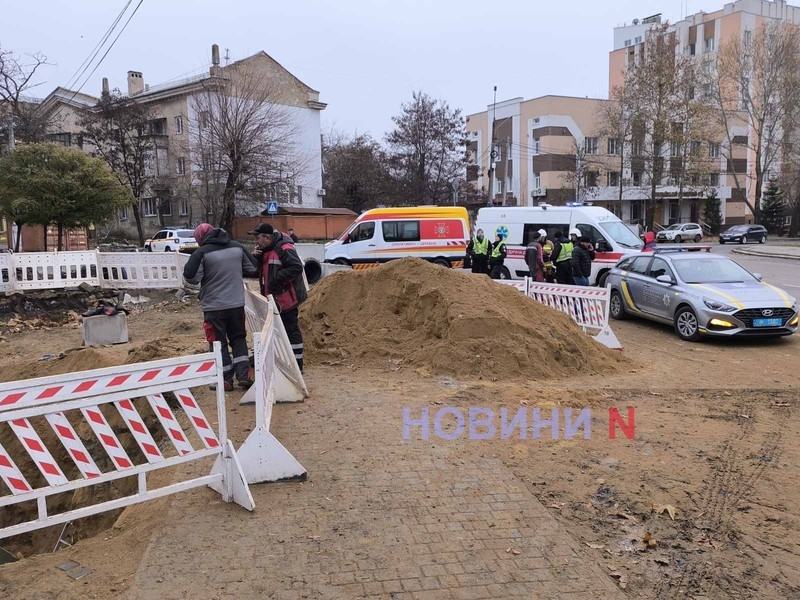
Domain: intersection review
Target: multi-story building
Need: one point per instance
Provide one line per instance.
(174, 174)
(552, 149)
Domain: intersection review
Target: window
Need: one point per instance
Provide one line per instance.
(637, 39)
(710, 45)
(636, 147)
(178, 124)
(65, 139)
(80, 141)
(591, 232)
(636, 211)
(639, 265)
(162, 161)
(180, 166)
(692, 49)
(590, 145)
(591, 178)
(183, 207)
(674, 212)
(713, 150)
(364, 231)
(537, 181)
(202, 119)
(612, 146)
(713, 179)
(627, 43)
(161, 235)
(613, 179)
(637, 178)
(530, 231)
(536, 147)
(748, 37)
(149, 207)
(675, 149)
(660, 267)
(694, 148)
(401, 231)
(158, 127)
(166, 206)
(123, 213)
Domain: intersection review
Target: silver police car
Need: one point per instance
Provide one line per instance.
(699, 294)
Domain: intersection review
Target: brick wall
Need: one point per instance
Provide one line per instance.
(306, 227)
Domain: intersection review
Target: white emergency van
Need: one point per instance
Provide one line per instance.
(611, 238)
(438, 234)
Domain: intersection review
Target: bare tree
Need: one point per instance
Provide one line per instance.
(25, 122)
(428, 147)
(616, 123)
(757, 85)
(357, 174)
(119, 127)
(242, 143)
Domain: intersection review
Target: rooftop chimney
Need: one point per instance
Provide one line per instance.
(216, 70)
(106, 91)
(135, 83)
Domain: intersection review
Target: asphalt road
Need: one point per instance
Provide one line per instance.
(782, 272)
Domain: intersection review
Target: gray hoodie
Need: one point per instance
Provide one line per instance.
(219, 265)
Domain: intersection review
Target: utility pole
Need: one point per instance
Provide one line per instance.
(492, 153)
(508, 168)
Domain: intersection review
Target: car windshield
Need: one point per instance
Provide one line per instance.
(185, 233)
(674, 227)
(711, 270)
(737, 229)
(619, 232)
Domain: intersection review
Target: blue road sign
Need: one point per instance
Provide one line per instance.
(272, 207)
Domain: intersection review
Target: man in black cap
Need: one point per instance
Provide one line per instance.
(281, 275)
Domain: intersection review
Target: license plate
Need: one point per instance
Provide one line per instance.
(767, 322)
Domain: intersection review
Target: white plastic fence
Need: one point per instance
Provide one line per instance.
(262, 456)
(53, 270)
(588, 306)
(61, 406)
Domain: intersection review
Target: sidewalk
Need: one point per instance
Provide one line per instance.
(379, 517)
(788, 252)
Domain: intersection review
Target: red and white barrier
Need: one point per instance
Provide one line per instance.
(89, 398)
(262, 456)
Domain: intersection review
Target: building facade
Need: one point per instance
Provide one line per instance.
(177, 191)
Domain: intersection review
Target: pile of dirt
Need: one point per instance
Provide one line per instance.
(412, 313)
(79, 359)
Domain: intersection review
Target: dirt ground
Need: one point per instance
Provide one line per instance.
(704, 502)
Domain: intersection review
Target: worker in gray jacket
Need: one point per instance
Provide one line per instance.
(219, 266)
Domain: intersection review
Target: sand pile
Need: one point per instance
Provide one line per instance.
(411, 313)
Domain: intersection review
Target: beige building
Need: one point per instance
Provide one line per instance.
(173, 196)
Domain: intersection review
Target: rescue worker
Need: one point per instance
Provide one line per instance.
(534, 256)
(582, 256)
(219, 266)
(479, 249)
(547, 257)
(281, 275)
(498, 256)
(562, 255)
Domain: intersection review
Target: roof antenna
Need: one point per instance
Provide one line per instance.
(227, 56)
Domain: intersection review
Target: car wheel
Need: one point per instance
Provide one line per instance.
(167, 249)
(442, 262)
(616, 308)
(698, 237)
(603, 280)
(722, 242)
(505, 273)
(677, 239)
(763, 239)
(342, 261)
(686, 324)
(742, 240)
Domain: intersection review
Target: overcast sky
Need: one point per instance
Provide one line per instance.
(364, 56)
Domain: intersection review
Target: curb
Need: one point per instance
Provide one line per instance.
(765, 254)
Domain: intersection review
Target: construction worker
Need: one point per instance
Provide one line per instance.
(562, 257)
(534, 256)
(479, 250)
(498, 256)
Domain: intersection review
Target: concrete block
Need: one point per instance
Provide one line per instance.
(102, 330)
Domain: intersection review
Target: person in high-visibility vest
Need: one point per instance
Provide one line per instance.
(547, 258)
(498, 256)
(479, 249)
(562, 257)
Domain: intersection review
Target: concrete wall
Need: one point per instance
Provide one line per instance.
(306, 227)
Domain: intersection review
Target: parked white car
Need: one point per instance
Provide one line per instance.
(171, 240)
(681, 232)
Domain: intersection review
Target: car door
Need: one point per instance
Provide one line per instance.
(158, 244)
(362, 244)
(634, 282)
(658, 297)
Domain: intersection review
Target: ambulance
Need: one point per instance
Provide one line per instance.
(612, 239)
(438, 234)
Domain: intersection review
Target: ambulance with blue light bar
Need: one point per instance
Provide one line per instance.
(612, 239)
(438, 234)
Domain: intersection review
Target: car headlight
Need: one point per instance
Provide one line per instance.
(718, 306)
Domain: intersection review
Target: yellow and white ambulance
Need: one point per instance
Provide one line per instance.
(438, 234)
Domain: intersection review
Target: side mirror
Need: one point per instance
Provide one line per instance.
(601, 246)
(758, 276)
(665, 279)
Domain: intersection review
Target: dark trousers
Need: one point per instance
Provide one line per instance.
(497, 270)
(227, 326)
(564, 272)
(480, 264)
(292, 326)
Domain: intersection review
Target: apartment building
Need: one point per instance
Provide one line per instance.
(552, 149)
(173, 196)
